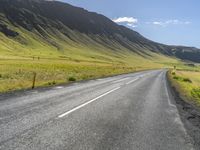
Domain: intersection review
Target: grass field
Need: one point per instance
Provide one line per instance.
(73, 63)
(18, 73)
(187, 83)
(58, 59)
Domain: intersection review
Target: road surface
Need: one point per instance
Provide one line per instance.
(126, 112)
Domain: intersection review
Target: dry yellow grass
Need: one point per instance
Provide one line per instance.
(17, 74)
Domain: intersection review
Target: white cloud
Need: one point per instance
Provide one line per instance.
(171, 22)
(131, 25)
(125, 20)
(157, 23)
(129, 21)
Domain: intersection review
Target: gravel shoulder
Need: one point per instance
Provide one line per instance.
(189, 113)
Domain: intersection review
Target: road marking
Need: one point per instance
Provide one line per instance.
(167, 93)
(82, 105)
(177, 117)
(99, 79)
(132, 81)
(59, 87)
(121, 80)
(32, 92)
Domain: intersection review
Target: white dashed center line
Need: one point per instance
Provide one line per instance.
(120, 80)
(88, 102)
(132, 81)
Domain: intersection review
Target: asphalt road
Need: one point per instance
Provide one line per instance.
(127, 112)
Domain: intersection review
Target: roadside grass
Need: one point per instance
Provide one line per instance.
(17, 74)
(187, 84)
(59, 59)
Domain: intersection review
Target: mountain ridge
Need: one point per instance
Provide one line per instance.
(55, 21)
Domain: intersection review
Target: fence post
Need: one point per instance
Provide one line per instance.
(174, 67)
(34, 78)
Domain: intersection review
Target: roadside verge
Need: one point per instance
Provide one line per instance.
(189, 113)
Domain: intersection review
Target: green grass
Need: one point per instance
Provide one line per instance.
(62, 60)
(182, 79)
(71, 79)
(187, 84)
(18, 73)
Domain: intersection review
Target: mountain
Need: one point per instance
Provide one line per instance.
(38, 27)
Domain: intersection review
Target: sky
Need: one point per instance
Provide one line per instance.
(173, 22)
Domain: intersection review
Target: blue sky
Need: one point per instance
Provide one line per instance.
(174, 22)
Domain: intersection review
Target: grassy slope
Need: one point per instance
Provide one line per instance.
(62, 58)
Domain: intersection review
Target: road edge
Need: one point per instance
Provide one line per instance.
(14, 93)
(47, 87)
(190, 115)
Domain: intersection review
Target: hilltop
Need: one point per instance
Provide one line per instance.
(54, 28)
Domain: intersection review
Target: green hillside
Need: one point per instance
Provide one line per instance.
(72, 60)
(64, 48)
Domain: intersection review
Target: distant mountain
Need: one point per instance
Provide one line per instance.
(54, 21)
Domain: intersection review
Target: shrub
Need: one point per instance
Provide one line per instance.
(195, 92)
(173, 73)
(182, 79)
(176, 78)
(52, 83)
(187, 80)
(71, 79)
